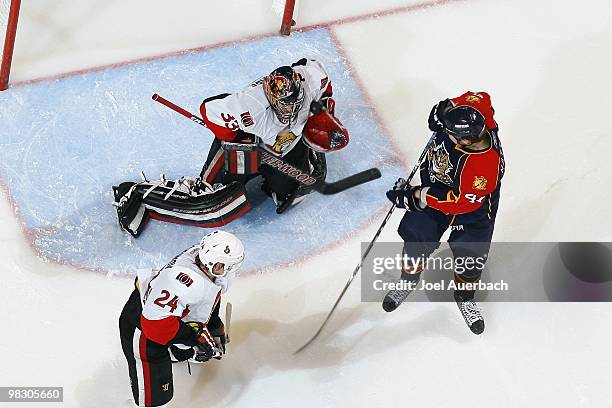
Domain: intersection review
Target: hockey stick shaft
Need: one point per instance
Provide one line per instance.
(357, 268)
(228, 321)
(286, 168)
(176, 108)
(365, 254)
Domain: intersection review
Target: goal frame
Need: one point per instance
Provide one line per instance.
(288, 21)
(9, 44)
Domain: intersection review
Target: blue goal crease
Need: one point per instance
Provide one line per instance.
(67, 141)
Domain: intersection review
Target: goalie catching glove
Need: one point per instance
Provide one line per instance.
(184, 201)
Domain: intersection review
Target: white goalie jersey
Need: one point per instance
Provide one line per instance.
(250, 111)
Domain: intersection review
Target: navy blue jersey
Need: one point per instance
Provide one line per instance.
(462, 183)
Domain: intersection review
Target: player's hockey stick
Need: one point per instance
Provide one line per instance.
(365, 253)
(228, 321)
(289, 170)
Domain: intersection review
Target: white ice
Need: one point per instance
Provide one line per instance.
(547, 66)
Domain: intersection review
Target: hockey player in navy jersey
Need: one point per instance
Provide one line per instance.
(460, 186)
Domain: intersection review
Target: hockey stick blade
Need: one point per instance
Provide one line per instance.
(349, 182)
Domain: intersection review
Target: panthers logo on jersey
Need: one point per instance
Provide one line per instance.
(439, 164)
(480, 183)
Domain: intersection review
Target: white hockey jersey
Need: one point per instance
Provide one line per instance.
(179, 289)
(250, 111)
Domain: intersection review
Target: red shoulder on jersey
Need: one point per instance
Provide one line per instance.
(481, 101)
(221, 132)
(479, 177)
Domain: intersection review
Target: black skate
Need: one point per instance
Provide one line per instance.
(470, 312)
(396, 297)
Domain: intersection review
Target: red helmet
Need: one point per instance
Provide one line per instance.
(324, 133)
(284, 91)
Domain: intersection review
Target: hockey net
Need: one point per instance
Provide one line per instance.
(9, 13)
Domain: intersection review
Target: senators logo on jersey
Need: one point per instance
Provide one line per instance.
(283, 141)
(184, 279)
(247, 119)
(439, 164)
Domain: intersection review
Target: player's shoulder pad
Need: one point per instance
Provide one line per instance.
(216, 105)
(482, 170)
(314, 74)
(252, 99)
(187, 282)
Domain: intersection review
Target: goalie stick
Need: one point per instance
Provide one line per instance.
(365, 254)
(286, 168)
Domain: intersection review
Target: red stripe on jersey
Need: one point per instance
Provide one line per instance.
(160, 331)
(146, 370)
(329, 91)
(221, 132)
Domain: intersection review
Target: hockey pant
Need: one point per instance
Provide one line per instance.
(149, 364)
(215, 170)
(421, 233)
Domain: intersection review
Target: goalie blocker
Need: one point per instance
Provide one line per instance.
(184, 201)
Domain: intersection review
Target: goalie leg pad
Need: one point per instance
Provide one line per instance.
(131, 212)
(185, 201)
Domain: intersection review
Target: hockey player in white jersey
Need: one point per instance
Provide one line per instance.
(290, 113)
(173, 315)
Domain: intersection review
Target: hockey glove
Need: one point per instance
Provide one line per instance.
(436, 116)
(178, 354)
(204, 352)
(403, 195)
(206, 347)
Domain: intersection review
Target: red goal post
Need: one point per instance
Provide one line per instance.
(288, 17)
(9, 14)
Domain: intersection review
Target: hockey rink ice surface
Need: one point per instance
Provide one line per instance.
(121, 131)
(67, 268)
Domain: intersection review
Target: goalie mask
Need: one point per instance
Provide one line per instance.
(220, 248)
(284, 91)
